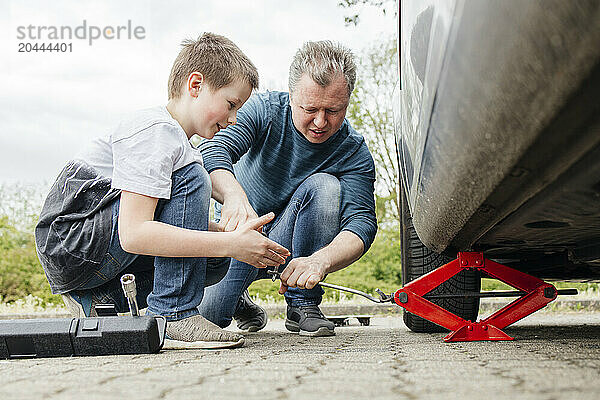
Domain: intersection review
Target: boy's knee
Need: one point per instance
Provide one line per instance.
(190, 199)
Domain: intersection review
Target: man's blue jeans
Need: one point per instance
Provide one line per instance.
(309, 222)
(168, 286)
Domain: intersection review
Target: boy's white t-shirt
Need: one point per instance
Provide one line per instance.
(142, 153)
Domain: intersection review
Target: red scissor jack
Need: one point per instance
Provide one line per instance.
(534, 294)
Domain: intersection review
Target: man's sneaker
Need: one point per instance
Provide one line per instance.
(196, 332)
(76, 303)
(250, 317)
(308, 321)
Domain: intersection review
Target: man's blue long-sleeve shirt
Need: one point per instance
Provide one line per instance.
(270, 159)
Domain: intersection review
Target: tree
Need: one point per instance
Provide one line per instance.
(371, 113)
(353, 19)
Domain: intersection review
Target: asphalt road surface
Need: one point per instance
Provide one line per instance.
(556, 356)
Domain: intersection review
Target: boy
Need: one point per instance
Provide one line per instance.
(137, 201)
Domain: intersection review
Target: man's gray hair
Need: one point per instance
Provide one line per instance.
(322, 61)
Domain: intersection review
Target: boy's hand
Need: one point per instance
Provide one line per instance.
(235, 213)
(253, 248)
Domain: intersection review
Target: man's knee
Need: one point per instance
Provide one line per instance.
(325, 190)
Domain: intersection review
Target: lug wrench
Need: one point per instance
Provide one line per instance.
(383, 298)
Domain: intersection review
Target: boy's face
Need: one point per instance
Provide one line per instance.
(213, 110)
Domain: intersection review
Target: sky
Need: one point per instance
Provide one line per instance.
(53, 103)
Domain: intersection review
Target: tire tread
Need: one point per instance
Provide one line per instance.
(418, 260)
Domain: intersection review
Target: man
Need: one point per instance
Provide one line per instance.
(296, 155)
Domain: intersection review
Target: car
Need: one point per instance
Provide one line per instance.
(498, 140)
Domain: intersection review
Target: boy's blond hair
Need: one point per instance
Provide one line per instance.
(217, 58)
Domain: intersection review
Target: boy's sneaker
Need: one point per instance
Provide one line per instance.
(196, 332)
(308, 321)
(249, 316)
(77, 303)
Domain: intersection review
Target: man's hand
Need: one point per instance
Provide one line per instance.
(303, 272)
(306, 272)
(253, 248)
(236, 212)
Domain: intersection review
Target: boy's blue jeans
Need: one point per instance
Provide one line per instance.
(168, 286)
(310, 221)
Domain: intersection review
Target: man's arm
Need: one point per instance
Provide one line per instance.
(236, 209)
(358, 223)
(306, 272)
(224, 150)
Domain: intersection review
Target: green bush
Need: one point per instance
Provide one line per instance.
(20, 271)
(21, 274)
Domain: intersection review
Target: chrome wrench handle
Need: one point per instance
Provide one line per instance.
(129, 288)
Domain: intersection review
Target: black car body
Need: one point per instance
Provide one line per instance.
(499, 134)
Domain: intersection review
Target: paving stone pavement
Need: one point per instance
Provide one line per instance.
(556, 356)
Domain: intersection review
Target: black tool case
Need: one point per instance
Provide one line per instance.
(27, 338)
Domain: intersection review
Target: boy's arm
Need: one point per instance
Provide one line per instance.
(140, 234)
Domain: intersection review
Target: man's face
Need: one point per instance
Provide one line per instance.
(318, 112)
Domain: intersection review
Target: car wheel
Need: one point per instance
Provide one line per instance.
(417, 260)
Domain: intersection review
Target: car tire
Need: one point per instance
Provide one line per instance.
(417, 260)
